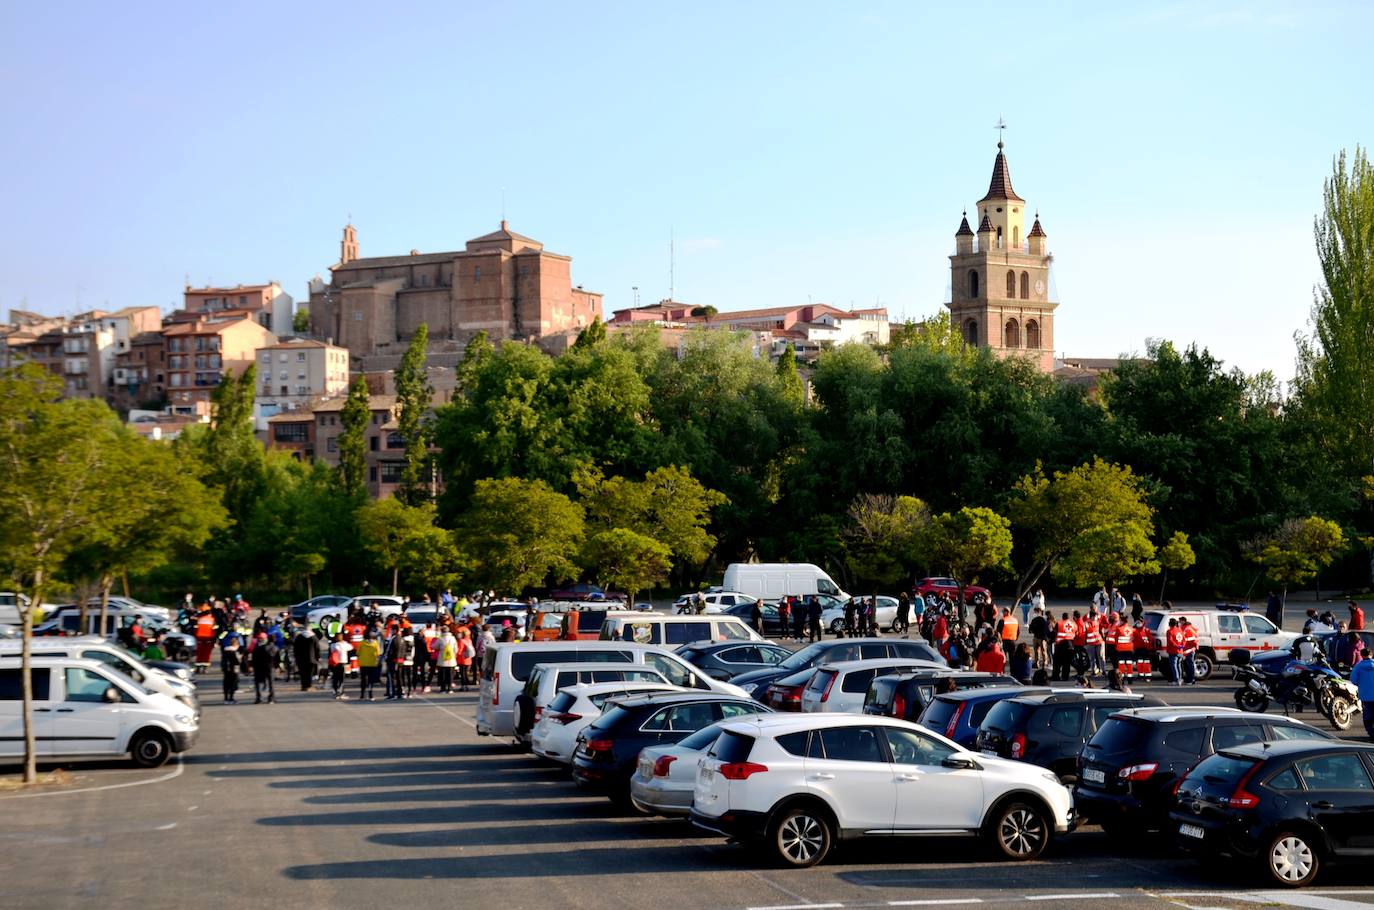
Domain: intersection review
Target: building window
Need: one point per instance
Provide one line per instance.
(971, 331)
(424, 281)
(357, 315)
(243, 300)
(283, 390)
(973, 283)
(1013, 334)
(1032, 334)
(391, 471)
(372, 443)
(1016, 235)
(395, 440)
(302, 389)
(477, 273)
(372, 474)
(291, 432)
(333, 444)
(300, 356)
(1011, 284)
(1025, 286)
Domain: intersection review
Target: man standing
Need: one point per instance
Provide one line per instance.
(307, 652)
(1040, 636)
(756, 617)
(1363, 677)
(1064, 633)
(264, 660)
(903, 620)
(1273, 609)
(1356, 617)
(813, 620)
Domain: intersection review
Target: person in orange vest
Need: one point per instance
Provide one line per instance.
(205, 639)
(1144, 651)
(1009, 628)
(1189, 650)
(1173, 648)
(1108, 627)
(1064, 632)
(1125, 648)
(1092, 643)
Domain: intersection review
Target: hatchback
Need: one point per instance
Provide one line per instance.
(830, 652)
(1130, 764)
(727, 659)
(666, 776)
(575, 708)
(843, 686)
(958, 714)
(905, 695)
(1287, 807)
(1050, 730)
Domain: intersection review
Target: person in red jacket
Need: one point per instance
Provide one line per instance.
(1124, 636)
(992, 659)
(1173, 647)
(1064, 632)
(1188, 651)
(1092, 643)
(1356, 617)
(1144, 651)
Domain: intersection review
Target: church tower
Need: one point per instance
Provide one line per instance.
(1000, 276)
(348, 249)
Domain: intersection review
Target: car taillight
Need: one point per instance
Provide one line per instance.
(565, 718)
(661, 765)
(828, 686)
(1242, 798)
(496, 688)
(954, 721)
(898, 706)
(1018, 745)
(600, 745)
(1138, 772)
(740, 770)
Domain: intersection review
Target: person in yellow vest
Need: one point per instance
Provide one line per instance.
(448, 658)
(1009, 628)
(369, 652)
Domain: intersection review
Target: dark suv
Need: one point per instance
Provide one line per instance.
(1126, 771)
(607, 750)
(1050, 730)
(906, 695)
(831, 652)
(1288, 807)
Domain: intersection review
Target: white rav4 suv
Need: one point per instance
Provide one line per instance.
(799, 782)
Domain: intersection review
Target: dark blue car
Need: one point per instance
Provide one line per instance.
(956, 715)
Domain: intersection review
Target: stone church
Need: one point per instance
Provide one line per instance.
(502, 283)
(1000, 294)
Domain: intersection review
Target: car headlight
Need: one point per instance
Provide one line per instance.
(184, 720)
(1050, 775)
(187, 701)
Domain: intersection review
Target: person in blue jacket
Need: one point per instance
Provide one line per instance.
(1362, 675)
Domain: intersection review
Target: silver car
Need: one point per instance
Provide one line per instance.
(666, 775)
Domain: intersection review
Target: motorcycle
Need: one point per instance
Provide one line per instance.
(1300, 683)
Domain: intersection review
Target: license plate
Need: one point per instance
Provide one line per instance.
(1190, 831)
(990, 752)
(707, 774)
(1094, 775)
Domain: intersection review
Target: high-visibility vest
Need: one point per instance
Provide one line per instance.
(1189, 638)
(1174, 641)
(1064, 630)
(1144, 641)
(1091, 634)
(1125, 638)
(1010, 628)
(205, 627)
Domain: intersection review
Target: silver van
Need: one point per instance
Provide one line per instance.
(674, 631)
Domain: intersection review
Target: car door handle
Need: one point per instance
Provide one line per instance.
(902, 777)
(42, 710)
(821, 777)
(1323, 804)
(65, 710)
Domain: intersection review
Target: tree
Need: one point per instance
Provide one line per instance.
(52, 460)
(883, 534)
(1176, 555)
(430, 560)
(669, 505)
(620, 558)
(1298, 549)
(1335, 382)
(521, 532)
(789, 380)
(592, 335)
(355, 417)
(707, 312)
(1087, 525)
(968, 541)
(300, 322)
(387, 525)
(413, 400)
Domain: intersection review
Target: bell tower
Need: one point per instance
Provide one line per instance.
(1000, 277)
(348, 249)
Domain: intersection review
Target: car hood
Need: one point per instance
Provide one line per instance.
(756, 677)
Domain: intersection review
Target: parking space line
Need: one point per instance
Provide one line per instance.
(1072, 897)
(435, 704)
(132, 783)
(936, 902)
(799, 907)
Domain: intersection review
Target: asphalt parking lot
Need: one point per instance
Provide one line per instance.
(318, 803)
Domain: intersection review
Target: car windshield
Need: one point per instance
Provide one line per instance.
(562, 702)
(804, 657)
(937, 714)
(702, 738)
(1120, 734)
(1220, 772)
(1007, 715)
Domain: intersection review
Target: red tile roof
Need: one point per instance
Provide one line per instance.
(985, 226)
(964, 228)
(1000, 187)
(1036, 230)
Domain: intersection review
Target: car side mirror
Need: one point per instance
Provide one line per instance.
(110, 695)
(960, 763)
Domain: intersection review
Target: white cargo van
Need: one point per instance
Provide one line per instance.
(506, 668)
(84, 709)
(775, 580)
(674, 631)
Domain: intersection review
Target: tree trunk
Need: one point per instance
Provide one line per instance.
(82, 596)
(1162, 583)
(25, 673)
(106, 582)
(124, 576)
(395, 576)
(309, 589)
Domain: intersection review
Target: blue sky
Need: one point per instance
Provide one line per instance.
(796, 151)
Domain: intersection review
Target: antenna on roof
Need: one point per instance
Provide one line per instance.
(503, 205)
(672, 264)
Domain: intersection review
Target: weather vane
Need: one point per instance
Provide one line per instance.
(1001, 125)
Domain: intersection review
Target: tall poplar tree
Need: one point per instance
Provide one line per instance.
(413, 395)
(353, 440)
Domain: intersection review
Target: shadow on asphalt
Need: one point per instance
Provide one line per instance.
(381, 753)
(578, 862)
(638, 831)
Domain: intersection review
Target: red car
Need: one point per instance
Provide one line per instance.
(949, 587)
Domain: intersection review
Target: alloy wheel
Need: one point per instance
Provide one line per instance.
(801, 838)
(1022, 832)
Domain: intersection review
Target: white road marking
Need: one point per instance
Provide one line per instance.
(798, 907)
(1071, 897)
(1314, 901)
(133, 783)
(936, 903)
(448, 712)
(167, 827)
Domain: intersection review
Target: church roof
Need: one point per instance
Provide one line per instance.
(985, 225)
(964, 228)
(1036, 230)
(1000, 186)
(503, 233)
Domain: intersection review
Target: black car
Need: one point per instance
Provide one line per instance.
(830, 652)
(1050, 730)
(906, 695)
(726, 659)
(771, 624)
(1289, 807)
(1126, 771)
(606, 751)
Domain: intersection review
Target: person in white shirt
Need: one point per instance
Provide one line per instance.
(338, 664)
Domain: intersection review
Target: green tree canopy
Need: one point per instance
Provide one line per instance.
(354, 418)
(387, 526)
(413, 402)
(1298, 549)
(519, 533)
(968, 541)
(883, 535)
(622, 559)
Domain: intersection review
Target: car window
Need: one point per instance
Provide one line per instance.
(730, 710)
(114, 660)
(794, 743)
(1228, 624)
(770, 655)
(679, 633)
(1258, 625)
(691, 718)
(852, 744)
(1224, 737)
(842, 652)
(1188, 741)
(743, 655)
(729, 631)
(643, 633)
(1334, 772)
(1286, 779)
(1102, 712)
(88, 686)
(857, 680)
(672, 671)
(911, 748)
(659, 721)
(978, 712)
(12, 684)
(1293, 731)
(1066, 721)
(873, 652)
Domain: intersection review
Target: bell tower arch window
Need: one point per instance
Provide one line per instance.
(1011, 284)
(1025, 285)
(971, 331)
(973, 283)
(1032, 334)
(1013, 334)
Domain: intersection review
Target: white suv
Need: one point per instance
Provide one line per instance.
(799, 782)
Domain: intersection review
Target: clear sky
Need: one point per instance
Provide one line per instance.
(795, 151)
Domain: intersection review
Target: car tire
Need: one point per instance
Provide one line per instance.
(836, 626)
(150, 749)
(1202, 667)
(524, 714)
(1019, 831)
(1291, 859)
(801, 836)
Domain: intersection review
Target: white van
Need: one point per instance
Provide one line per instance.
(674, 631)
(775, 580)
(84, 709)
(547, 679)
(506, 667)
(93, 647)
